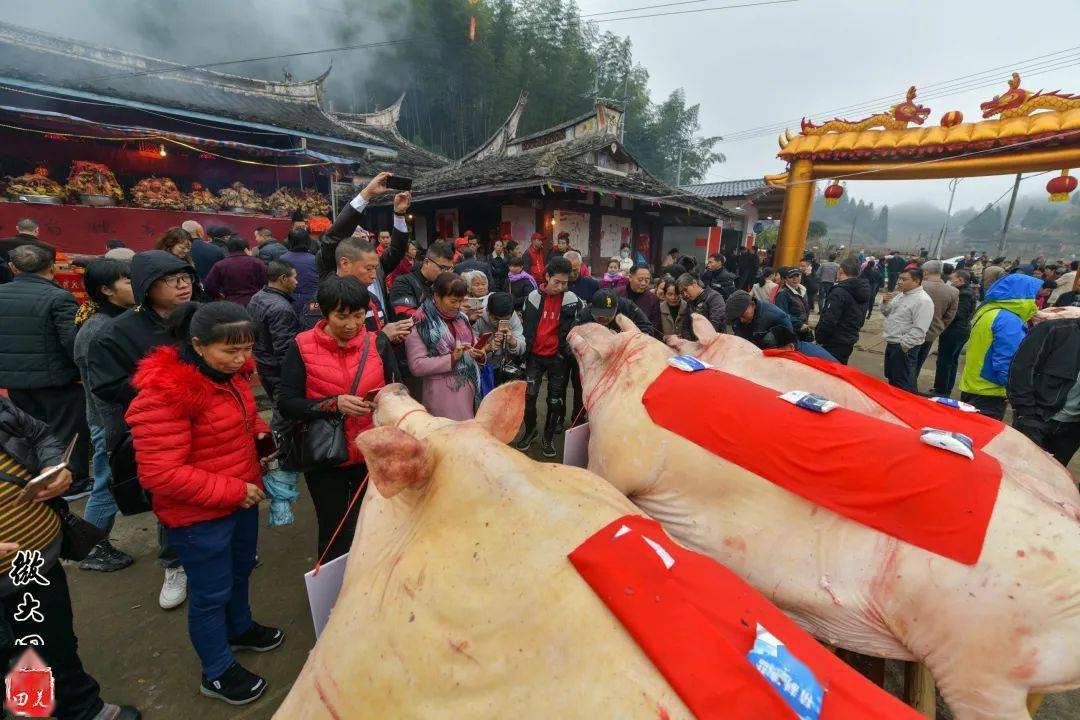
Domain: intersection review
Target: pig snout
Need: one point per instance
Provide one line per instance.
(392, 403)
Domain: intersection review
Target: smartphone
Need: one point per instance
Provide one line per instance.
(369, 396)
(399, 183)
(265, 447)
(484, 339)
(504, 326)
(33, 488)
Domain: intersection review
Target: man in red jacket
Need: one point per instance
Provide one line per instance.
(535, 258)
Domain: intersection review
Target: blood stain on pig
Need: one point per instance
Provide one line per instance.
(735, 543)
(1048, 554)
(460, 648)
(663, 712)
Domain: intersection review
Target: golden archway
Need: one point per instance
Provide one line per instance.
(1033, 132)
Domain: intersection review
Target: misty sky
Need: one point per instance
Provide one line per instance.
(747, 67)
(760, 66)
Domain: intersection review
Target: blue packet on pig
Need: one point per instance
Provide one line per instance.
(809, 401)
(688, 363)
(788, 675)
(952, 441)
(962, 406)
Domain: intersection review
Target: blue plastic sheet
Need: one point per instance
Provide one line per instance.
(280, 488)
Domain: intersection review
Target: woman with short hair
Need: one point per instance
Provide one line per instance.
(330, 369)
(440, 349)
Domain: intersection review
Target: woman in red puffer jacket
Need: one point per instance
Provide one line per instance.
(194, 428)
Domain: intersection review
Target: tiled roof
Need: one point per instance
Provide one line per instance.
(558, 163)
(729, 189)
(44, 60)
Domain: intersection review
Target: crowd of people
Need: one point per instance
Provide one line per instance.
(152, 380)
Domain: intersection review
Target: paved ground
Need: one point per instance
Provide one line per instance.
(141, 654)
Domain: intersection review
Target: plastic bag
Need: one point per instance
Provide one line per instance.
(688, 363)
(962, 406)
(280, 488)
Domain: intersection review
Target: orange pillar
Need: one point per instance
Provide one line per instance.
(795, 220)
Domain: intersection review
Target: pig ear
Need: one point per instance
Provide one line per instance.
(626, 324)
(395, 460)
(704, 330)
(501, 410)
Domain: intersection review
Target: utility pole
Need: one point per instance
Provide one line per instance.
(678, 171)
(625, 103)
(1008, 216)
(851, 240)
(940, 244)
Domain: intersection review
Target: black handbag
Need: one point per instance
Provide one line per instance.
(77, 536)
(131, 498)
(319, 441)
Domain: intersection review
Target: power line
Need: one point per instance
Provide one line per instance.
(945, 88)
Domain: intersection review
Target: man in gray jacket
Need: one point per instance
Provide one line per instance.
(946, 301)
(907, 319)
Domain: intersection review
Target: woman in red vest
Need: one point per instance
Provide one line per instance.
(197, 437)
(317, 378)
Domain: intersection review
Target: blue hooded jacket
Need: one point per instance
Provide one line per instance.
(997, 330)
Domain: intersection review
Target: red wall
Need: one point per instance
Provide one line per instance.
(83, 230)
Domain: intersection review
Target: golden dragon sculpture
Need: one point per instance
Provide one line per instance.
(898, 117)
(1018, 102)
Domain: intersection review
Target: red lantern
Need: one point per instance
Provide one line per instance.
(1060, 187)
(833, 193)
(952, 118)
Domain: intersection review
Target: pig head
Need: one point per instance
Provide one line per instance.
(990, 633)
(458, 600)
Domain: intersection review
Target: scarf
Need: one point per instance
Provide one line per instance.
(189, 356)
(90, 308)
(613, 278)
(514, 277)
(433, 328)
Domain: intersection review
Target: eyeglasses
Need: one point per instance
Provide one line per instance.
(178, 280)
(444, 268)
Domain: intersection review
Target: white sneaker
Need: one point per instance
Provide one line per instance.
(174, 590)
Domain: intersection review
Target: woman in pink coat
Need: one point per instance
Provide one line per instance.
(440, 350)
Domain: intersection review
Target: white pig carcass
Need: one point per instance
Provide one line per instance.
(458, 599)
(991, 633)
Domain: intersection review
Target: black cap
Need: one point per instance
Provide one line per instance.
(736, 305)
(500, 305)
(789, 272)
(605, 304)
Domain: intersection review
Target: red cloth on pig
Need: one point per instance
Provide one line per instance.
(913, 410)
(696, 620)
(873, 472)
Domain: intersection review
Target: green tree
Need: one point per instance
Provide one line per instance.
(817, 230)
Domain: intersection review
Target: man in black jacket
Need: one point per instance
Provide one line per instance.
(37, 357)
(412, 289)
(33, 577)
(754, 320)
(639, 292)
(748, 264)
(606, 305)
(1044, 373)
(717, 277)
(161, 282)
(547, 319)
(952, 340)
(844, 311)
(895, 265)
(276, 322)
(703, 301)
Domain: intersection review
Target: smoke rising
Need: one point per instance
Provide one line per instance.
(202, 31)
